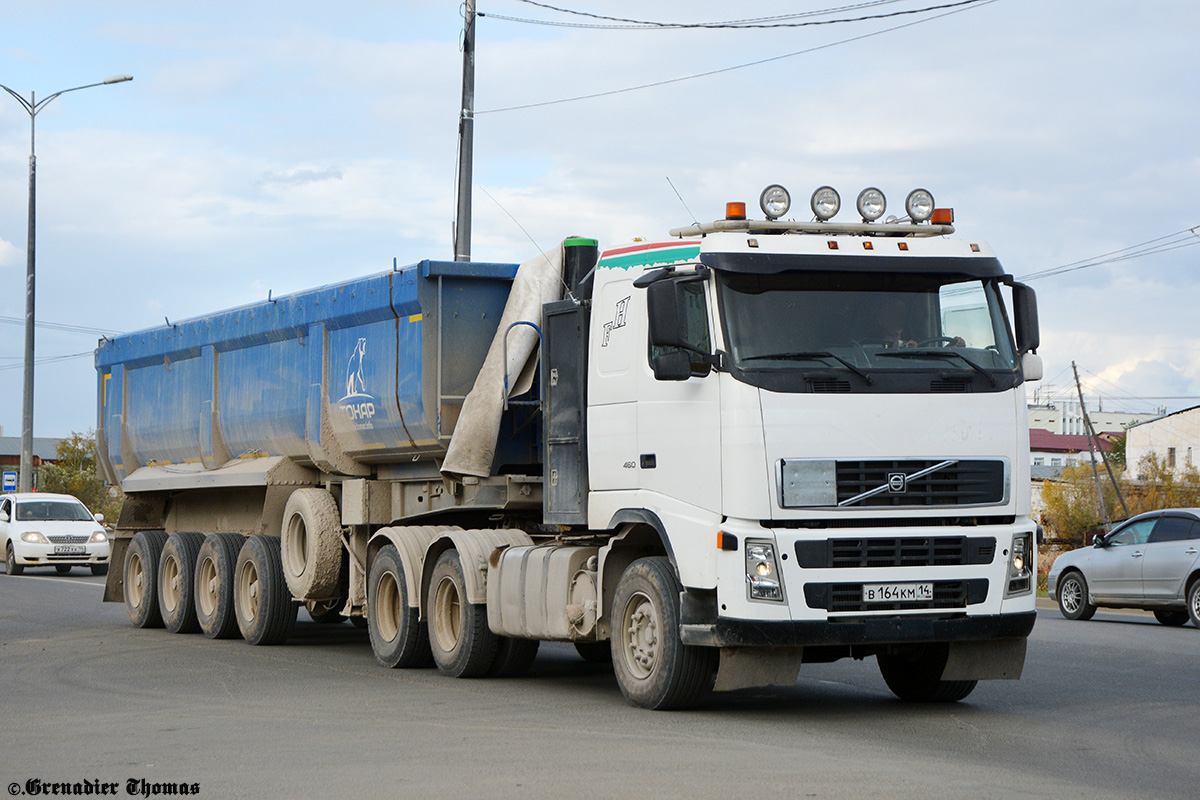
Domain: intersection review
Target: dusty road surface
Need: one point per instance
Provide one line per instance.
(1107, 709)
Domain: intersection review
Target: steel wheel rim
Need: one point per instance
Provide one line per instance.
(247, 591)
(171, 588)
(639, 632)
(387, 607)
(206, 588)
(1071, 595)
(135, 580)
(447, 614)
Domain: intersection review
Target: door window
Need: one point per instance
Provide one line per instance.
(1174, 529)
(1133, 533)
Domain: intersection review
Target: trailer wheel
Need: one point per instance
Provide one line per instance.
(398, 637)
(141, 579)
(261, 600)
(915, 674)
(462, 643)
(653, 667)
(213, 584)
(514, 657)
(311, 544)
(177, 584)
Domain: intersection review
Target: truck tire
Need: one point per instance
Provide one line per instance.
(261, 600)
(915, 674)
(177, 582)
(653, 667)
(398, 637)
(213, 584)
(141, 578)
(514, 657)
(311, 544)
(462, 643)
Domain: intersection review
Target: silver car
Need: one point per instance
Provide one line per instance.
(1150, 562)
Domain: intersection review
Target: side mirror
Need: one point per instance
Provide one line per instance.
(1031, 366)
(1099, 541)
(665, 311)
(99, 517)
(673, 365)
(1025, 318)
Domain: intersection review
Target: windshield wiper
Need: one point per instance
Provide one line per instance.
(938, 354)
(814, 354)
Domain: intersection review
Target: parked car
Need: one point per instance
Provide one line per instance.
(51, 530)
(1150, 562)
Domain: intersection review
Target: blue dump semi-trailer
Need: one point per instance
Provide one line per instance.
(648, 453)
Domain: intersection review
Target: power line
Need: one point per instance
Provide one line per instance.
(762, 22)
(1162, 244)
(50, 360)
(61, 326)
(710, 73)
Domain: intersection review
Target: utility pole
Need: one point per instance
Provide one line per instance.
(1091, 456)
(466, 136)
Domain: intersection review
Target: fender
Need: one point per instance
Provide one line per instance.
(412, 542)
(474, 548)
(642, 516)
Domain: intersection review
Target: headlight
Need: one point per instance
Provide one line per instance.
(871, 204)
(825, 203)
(99, 537)
(919, 205)
(33, 537)
(762, 573)
(774, 201)
(1020, 565)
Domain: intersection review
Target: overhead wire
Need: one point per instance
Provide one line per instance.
(758, 62)
(1161, 244)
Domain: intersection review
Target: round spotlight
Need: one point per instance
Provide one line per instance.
(825, 203)
(774, 201)
(871, 204)
(919, 205)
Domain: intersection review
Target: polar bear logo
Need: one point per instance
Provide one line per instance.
(355, 385)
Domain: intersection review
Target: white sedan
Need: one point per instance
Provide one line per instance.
(51, 530)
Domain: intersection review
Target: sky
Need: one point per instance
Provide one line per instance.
(271, 147)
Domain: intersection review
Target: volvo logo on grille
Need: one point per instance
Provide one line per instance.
(897, 483)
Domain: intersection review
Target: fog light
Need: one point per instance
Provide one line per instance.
(775, 201)
(871, 204)
(825, 203)
(919, 205)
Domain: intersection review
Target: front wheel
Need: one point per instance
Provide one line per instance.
(1073, 597)
(653, 667)
(10, 561)
(1193, 602)
(915, 673)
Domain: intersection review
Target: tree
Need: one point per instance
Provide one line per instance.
(75, 474)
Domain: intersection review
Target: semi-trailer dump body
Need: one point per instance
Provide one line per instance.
(759, 444)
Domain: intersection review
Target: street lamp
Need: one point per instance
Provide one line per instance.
(32, 106)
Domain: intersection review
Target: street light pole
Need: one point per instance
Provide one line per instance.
(32, 106)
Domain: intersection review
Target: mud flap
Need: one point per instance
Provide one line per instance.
(746, 667)
(991, 660)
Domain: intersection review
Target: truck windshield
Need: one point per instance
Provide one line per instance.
(868, 326)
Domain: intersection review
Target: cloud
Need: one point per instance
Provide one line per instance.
(9, 254)
(300, 176)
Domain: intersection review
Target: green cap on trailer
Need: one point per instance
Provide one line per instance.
(579, 241)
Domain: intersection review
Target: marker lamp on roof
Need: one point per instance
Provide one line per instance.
(775, 201)
(871, 204)
(825, 203)
(919, 205)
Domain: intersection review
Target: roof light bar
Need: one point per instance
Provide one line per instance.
(774, 201)
(871, 204)
(825, 203)
(919, 205)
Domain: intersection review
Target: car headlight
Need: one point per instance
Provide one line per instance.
(33, 537)
(762, 573)
(99, 537)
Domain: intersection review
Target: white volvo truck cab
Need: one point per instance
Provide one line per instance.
(825, 424)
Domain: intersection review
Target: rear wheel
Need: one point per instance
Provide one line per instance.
(1073, 597)
(10, 561)
(1193, 602)
(462, 643)
(653, 667)
(261, 600)
(177, 584)
(141, 578)
(915, 673)
(62, 569)
(1171, 617)
(398, 637)
(213, 583)
(514, 657)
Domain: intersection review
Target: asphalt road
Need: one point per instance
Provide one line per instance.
(1106, 709)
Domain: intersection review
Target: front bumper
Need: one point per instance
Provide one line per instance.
(43, 555)
(860, 631)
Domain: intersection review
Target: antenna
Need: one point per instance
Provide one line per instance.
(538, 247)
(685, 205)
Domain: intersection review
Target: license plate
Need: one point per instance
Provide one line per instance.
(69, 549)
(896, 592)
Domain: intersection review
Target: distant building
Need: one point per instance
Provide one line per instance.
(45, 451)
(1066, 417)
(1050, 450)
(1175, 438)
